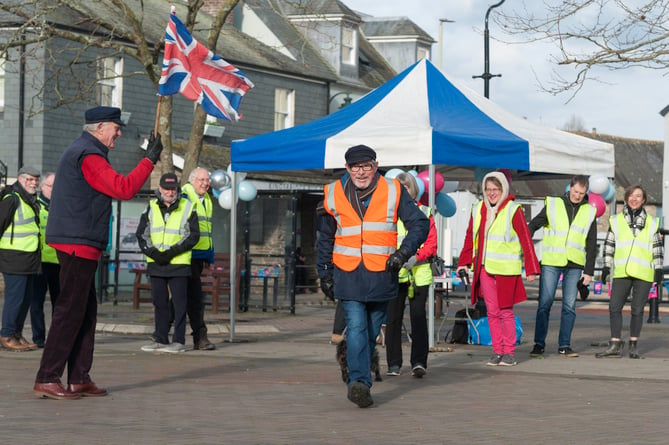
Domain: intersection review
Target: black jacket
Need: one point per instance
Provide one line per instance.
(13, 261)
(144, 240)
(541, 220)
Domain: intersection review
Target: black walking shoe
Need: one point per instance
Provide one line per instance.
(537, 351)
(567, 352)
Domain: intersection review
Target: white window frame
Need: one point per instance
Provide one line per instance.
(284, 108)
(110, 82)
(422, 53)
(349, 46)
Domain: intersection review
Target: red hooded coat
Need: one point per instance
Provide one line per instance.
(510, 289)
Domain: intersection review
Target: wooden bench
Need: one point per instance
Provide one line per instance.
(215, 282)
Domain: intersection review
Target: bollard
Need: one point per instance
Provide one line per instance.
(654, 305)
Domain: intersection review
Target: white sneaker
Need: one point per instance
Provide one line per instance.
(173, 348)
(153, 347)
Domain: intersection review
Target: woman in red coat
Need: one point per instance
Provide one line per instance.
(495, 249)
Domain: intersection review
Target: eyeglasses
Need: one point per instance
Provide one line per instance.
(492, 190)
(363, 167)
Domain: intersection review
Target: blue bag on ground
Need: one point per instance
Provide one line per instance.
(481, 335)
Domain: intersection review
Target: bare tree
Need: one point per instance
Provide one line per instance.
(112, 27)
(613, 34)
(575, 123)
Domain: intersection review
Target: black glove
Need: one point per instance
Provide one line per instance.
(154, 148)
(327, 286)
(659, 276)
(162, 258)
(605, 274)
(583, 290)
(151, 252)
(396, 260)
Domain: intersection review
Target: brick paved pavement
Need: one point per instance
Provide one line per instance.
(279, 384)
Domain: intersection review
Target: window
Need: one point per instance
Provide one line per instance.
(2, 84)
(110, 83)
(348, 46)
(284, 108)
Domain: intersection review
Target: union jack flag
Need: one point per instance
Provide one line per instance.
(199, 74)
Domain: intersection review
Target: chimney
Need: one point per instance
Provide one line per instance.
(212, 7)
(594, 131)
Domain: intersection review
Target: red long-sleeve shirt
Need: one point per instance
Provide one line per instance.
(102, 177)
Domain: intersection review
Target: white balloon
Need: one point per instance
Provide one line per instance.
(393, 172)
(225, 199)
(450, 186)
(240, 175)
(599, 184)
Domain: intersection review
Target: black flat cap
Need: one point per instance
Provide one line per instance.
(169, 181)
(359, 153)
(104, 114)
(29, 170)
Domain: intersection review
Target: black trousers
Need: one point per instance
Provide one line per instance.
(71, 338)
(161, 308)
(395, 315)
(195, 301)
(48, 279)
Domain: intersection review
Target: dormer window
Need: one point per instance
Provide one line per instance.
(348, 46)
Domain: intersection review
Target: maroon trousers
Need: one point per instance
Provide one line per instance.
(71, 338)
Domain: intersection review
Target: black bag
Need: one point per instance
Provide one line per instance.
(437, 266)
(460, 331)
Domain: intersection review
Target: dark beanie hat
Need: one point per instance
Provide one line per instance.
(104, 114)
(359, 153)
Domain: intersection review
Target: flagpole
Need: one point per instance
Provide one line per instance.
(155, 128)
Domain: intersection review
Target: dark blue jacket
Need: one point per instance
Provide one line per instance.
(79, 214)
(361, 284)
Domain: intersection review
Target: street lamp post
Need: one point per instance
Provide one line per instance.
(486, 76)
(441, 43)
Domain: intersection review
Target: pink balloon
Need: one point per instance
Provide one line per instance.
(596, 200)
(507, 174)
(438, 180)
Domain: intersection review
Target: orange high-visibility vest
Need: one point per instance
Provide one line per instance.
(371, 239)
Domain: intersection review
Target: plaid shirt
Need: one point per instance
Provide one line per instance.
(636, 224)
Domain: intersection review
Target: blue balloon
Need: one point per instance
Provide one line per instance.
(480, 172)
(247, 191)
(216, 193)
(610, 193)
(421, 188)
(566, 189)
(393, 172)
(445, 205)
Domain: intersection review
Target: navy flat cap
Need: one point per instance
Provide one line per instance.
(104, 114)
(359, 153)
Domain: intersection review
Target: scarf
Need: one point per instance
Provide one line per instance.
(357, 196)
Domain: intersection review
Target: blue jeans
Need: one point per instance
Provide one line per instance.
(363, 323)
(550, 275)
(17, 303)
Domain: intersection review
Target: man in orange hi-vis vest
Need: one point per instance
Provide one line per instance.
(358, 258)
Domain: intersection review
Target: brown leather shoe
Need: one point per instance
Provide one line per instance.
(87, 389)
(204, 344)
(13, 344)
(22, 341)
(54, 391)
